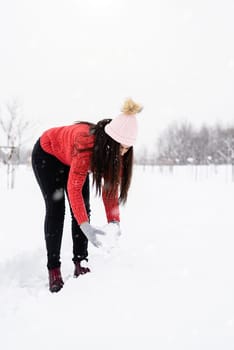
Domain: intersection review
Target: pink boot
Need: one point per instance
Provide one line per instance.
(55, 280)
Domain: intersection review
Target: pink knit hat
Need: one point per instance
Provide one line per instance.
(124, 128)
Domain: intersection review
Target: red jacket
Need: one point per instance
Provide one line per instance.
(60, 143)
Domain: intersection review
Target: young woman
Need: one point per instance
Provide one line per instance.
(62, 159)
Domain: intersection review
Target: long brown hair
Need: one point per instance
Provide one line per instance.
(110, 170)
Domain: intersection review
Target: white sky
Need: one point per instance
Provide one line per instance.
(67, 60)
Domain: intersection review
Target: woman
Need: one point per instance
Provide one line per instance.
(62, 159)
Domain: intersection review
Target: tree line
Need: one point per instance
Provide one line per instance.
(183, 144)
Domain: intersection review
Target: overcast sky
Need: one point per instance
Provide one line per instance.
(67, 60)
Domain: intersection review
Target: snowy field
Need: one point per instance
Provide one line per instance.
(167, 283)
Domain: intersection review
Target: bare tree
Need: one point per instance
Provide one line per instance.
(175, 144)
(12, 128)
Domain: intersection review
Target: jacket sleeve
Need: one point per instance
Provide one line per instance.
(77, 175)
(111, 207)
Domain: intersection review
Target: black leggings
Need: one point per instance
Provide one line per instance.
(52, 176)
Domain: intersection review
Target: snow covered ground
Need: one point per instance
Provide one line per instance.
(168, 283)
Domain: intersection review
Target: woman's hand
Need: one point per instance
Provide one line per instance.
(114, 227)
(91, 233)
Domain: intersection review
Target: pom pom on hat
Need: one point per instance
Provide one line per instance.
(123, 128)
